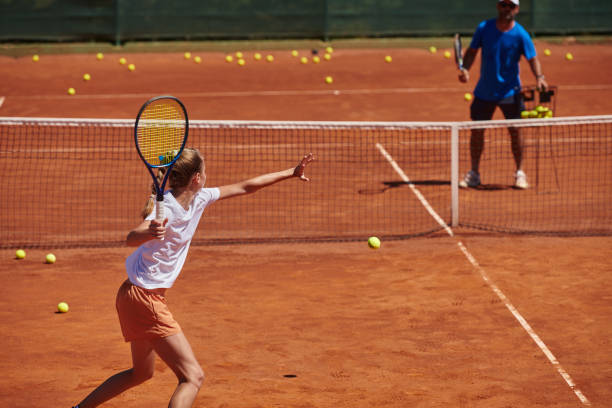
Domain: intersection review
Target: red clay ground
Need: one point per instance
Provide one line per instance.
(412, 324)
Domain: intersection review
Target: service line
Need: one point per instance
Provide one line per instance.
(524, 324)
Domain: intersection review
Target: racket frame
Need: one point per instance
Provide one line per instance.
(159, 188)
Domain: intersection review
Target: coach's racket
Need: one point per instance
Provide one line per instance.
(458, 51)
(160, 134)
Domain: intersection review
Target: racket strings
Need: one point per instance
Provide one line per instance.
(160, 133)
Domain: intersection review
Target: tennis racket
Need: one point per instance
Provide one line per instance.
(160, 134)
(458, 51)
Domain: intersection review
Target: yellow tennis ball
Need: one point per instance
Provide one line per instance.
(131, 67)
(374, 242)
(62, 307)
(294, 53)
(388, 58)
(270, 58)
(433, 49)
(229, 58)
(327, 57)
(524, 114)
(50, 258)
(71, 91)
(316, 59)
(86, 77)
(304, 60)
(548, 114)
(329, 79)
(99, 56)
(241, 62)
(238, 54)
(35, 58)
(329, 50)
(547, 52)
(467, 96)
(187, 55)
(447, 54)
(20, 254)
(197, 59)
(122, 61)
(569, 56)
(257, 56)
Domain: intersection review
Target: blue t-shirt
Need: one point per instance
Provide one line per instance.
(501, 53)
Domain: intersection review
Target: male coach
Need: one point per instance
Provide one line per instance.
(503, 41)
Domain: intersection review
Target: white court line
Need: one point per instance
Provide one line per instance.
(420, 196)
(553, 360)
(296, 92)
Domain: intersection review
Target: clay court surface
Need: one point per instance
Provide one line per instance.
(414, 324)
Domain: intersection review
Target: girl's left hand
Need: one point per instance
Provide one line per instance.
(299, 170)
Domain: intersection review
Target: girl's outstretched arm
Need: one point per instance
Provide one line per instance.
(252, 185)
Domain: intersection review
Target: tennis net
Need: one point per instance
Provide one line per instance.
(79, 182)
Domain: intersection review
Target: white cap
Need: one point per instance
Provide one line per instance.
(512, 1)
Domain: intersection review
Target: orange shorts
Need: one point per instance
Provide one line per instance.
(144, 314)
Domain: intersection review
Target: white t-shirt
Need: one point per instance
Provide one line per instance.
(157, 263)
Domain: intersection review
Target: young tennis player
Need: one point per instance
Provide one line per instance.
(146, 321)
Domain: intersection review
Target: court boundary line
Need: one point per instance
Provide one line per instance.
(297, 92)
(483, 274)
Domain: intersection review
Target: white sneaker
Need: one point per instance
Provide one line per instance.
(472, 179)
(521, 180)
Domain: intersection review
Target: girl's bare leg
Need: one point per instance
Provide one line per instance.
(143, 365)
(178, 355)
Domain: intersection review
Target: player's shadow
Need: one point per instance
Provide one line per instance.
(387, 185)
(493, 187)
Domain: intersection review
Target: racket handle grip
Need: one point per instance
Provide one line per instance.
(159, 210)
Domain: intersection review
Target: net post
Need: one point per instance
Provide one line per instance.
(454, 175)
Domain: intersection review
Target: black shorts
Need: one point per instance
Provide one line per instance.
(511, 106)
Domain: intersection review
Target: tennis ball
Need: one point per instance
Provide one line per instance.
(238, 54)
(524, 114)
(374, 242)
(433, 49)
(294, 53)
(229, 58)
(257, 56)
(197, 60)
(329, 50)
(270, 58)
(241, 62)
(20, 254)
(388, 58)
(316, 59)
(187, 55)
(329, 79)
(122, 61)
(467, 96)
(131, 67)
(35, 58)
(533, 114)
(71, 91)
(569, 56)
(447, 54)
(100, 56)
(547, 52)
(86, 77)
(304, 60)
(50, 258)
(62, 307)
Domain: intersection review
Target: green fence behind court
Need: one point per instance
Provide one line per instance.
(126, 20)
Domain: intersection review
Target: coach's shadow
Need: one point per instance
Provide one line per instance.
(387, 185)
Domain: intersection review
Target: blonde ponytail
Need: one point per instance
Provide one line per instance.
(189, 163)
(150, 204)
